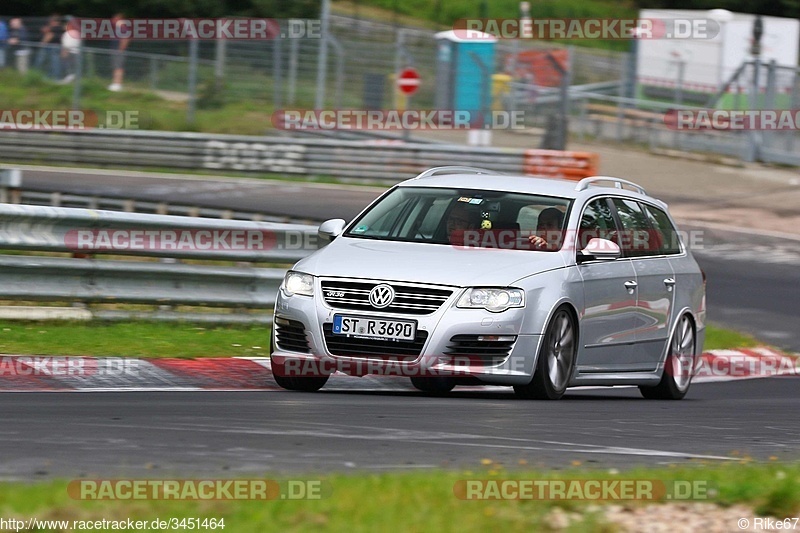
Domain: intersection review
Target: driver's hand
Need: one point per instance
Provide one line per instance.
(537, 241)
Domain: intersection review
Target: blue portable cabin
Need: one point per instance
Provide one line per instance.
(464, 70)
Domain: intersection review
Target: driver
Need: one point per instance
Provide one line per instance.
(460, 219)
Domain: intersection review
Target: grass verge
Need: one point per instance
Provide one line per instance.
(154, 339)
(725, 339)
(133, 339)
(425, 501)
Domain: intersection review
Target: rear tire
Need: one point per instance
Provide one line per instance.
(556, 359)
(434, 385)
(678, 367)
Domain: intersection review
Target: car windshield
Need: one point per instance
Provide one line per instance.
(468, 217)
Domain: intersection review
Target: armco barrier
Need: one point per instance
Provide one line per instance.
(93, 275)
(278, 155)
(63, 229)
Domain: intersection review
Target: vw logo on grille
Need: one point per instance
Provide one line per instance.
(381, 296)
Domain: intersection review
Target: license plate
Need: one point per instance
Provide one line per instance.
(376, 328)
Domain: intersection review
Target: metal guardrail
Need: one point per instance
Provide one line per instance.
(377, 160)
(62, 229)
(137, 282)
(91, 275)
(132, 205)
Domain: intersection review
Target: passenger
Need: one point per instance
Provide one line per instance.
(549, 234)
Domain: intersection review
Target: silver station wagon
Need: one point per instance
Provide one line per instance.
(465, 276)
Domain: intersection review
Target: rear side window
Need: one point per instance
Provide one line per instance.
(670, 241)
(597, 222)
(637, 238)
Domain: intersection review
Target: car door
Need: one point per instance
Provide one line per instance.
(607, 321)
(644, 245)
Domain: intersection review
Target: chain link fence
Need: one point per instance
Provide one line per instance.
(590, 93)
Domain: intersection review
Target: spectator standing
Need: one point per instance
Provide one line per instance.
(70, 48)
(118, 47)
(49, 47)
(3, 42)
(17, 36)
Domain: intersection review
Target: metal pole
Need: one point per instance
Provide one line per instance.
(679, 85)
(322, 61)
(293, 44)
(512, 100)
(795, 101)
(219, 64)
(752, 137)
(153, 73)
(630, 72)
(769, 137)
(337, 47)
(566, 81)
(679, 96)
(277, 72)
(398, 64)
(76, 89)
(193, 49)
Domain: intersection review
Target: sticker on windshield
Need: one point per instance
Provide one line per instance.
(473, 201)
(361, 228)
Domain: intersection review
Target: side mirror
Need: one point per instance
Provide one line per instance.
(599, 250)
(330, 229)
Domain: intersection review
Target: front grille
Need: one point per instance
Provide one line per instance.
(408, 300)
(290, 335)
(485, 350)
(374, 348)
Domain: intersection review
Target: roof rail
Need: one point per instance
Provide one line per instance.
(435, 171)
(618, 183)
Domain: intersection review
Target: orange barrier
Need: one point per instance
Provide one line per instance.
(560, 164)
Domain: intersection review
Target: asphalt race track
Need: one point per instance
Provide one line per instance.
(236, 433)
(753, 285)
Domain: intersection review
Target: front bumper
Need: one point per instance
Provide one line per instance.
(439, 354)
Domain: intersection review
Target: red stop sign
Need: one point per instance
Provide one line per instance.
(408, 81)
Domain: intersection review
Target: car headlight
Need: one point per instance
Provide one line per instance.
(494, 300)
(298, 283)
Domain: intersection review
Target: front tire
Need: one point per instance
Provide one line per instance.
(678, 367)
(434, 385)
(296, 383)
(556, 359)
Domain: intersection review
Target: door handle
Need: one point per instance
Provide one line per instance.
(670, 283)
(630, 285)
